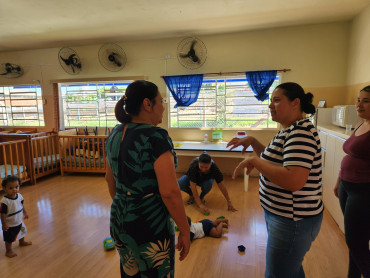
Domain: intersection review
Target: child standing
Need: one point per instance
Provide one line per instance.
(207, 227)
(12, 210)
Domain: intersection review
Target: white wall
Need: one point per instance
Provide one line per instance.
(316, 55)
(359, 49)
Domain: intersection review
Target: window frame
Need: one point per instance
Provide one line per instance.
(10, 119)
(59, 100)
(207, 79)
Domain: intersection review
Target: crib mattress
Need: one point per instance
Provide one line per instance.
(50, 162)
(17, 171)
(85, 162)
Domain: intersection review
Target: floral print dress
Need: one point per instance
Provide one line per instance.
(140, 224)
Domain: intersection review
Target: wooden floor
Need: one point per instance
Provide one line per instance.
(69, 218)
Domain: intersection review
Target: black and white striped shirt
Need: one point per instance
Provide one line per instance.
(298, 145)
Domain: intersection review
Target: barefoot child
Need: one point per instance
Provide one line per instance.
(12, 210)
(207, 227)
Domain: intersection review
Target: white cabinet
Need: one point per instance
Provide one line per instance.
(332, 151)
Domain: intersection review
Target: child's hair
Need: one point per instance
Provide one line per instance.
(189, 220)
(10, 178)
(205, 158)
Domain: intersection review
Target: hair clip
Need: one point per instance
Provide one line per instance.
(124, 97)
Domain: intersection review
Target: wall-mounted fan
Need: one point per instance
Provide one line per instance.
(9, 70)
(69, 60)
(112, 57)
(191, 53)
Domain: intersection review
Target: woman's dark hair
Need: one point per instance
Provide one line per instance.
(205, 158)
(130, 103)
(293, 91)
(366, 89)
(9, 179)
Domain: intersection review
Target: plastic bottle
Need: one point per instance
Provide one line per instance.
(205, 138)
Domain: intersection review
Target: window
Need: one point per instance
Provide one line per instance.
(21, 106)
(91, 104)
(224, 102)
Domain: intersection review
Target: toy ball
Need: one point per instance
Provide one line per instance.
(221, 217)
(108, 244)
(206, 213)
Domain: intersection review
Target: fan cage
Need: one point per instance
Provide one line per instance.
(119, 55)
(16, 71)
(65, 53)
(199, 48)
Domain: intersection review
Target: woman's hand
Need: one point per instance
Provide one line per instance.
(247, 163)
(204, 209)
(336, 189)
(236, 142)
(183, 245)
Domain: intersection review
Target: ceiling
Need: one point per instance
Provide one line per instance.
(34, 24)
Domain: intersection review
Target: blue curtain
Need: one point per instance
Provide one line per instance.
(260, 82)
(184, 88)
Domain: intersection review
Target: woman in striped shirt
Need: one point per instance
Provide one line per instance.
(290, 181)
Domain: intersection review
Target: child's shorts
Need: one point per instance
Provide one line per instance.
(207, 226)
(14, 233)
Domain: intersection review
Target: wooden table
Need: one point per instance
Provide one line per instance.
(193, 148)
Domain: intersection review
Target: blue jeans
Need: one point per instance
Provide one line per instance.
(184, 183)
(287, 243)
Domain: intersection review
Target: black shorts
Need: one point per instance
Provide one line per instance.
(207, 226)
(11, 234)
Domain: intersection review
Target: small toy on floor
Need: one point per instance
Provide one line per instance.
(241, 248)
(108, 244)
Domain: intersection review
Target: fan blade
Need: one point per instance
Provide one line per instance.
(192, 44)
(66, 61)
(184, 55)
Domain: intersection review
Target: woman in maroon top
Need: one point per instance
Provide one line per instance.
(353, 190)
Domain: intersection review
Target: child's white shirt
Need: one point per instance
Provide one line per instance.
(197, 229)
(14, 214)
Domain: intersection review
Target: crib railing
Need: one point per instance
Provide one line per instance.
(45, 155)
(13, 160)
(82, 153)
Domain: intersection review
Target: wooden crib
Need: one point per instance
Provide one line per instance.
(40, 152)
(82, 153)
(45, 155)
(13, 160)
